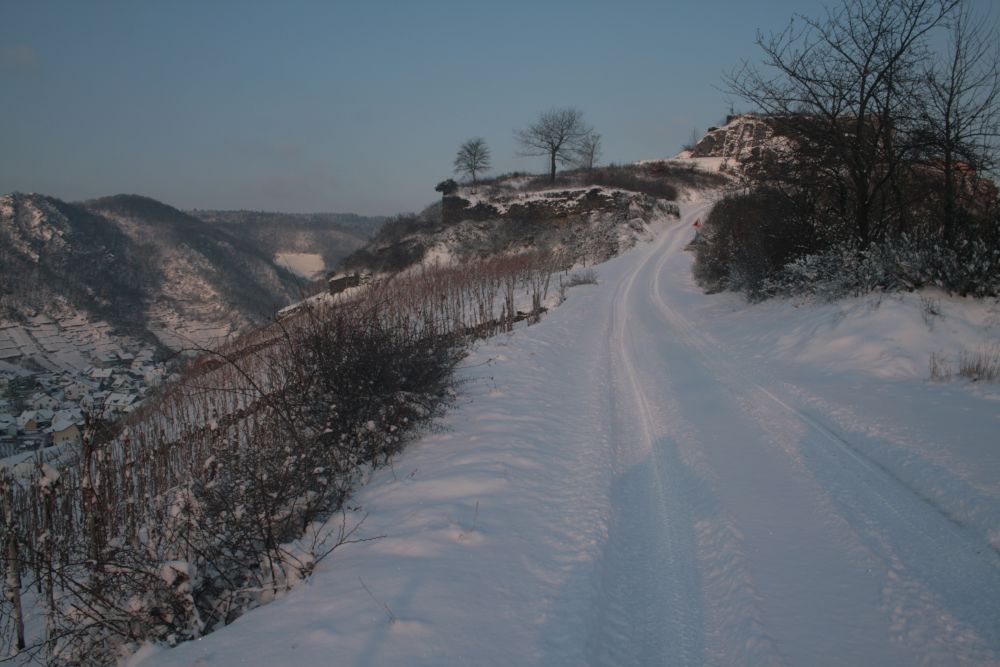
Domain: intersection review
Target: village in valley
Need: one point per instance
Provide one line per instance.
(57, 372)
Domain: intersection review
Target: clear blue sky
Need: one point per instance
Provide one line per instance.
(344, 106)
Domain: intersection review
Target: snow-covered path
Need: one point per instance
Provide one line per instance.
(625, 484)
(752, 532)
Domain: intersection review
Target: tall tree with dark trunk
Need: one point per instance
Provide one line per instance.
(473, 158)
(557, 135)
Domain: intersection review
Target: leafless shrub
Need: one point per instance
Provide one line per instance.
(209, 500)
(930, 308)
(940, 369)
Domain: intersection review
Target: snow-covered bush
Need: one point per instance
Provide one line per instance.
(762, 243)
(973, 269)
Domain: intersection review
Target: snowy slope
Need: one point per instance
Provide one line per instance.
(656, 476)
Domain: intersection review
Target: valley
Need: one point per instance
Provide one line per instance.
(100, 301)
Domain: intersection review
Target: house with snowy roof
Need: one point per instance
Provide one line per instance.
(94, 399)
(67, 427)
(32, 421)
(100, 374)
(43, 402)
(119, 403)
(76, 391)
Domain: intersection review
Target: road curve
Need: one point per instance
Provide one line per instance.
(747, 531)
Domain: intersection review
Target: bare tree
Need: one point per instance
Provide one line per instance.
(473, 157)
(556, 135)
(844, 87)
(693, 140)
(962, 109)
(588, 150)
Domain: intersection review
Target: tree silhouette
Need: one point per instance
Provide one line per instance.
(557, 134)
(473, 157)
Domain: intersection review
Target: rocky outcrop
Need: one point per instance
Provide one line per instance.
(744, 138)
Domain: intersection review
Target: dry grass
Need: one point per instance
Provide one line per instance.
(940, 370)
(982, 365)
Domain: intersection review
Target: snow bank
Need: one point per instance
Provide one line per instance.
(887, 336)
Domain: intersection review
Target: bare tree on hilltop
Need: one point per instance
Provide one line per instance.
(558, 135)
(588, 151)
(473, 157)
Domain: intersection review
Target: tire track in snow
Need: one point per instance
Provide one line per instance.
(674, 584)
(734, 627)
(649, 607)
(940, 583)
(734, 622)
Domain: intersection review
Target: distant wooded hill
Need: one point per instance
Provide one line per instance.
(142, 265)
(334, 236)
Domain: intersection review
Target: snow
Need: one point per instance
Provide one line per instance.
(562, 197)
(307, 265)
(652, 475)
(888, 336)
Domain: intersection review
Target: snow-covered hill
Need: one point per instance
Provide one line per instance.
(653, 475)
(585, 222)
